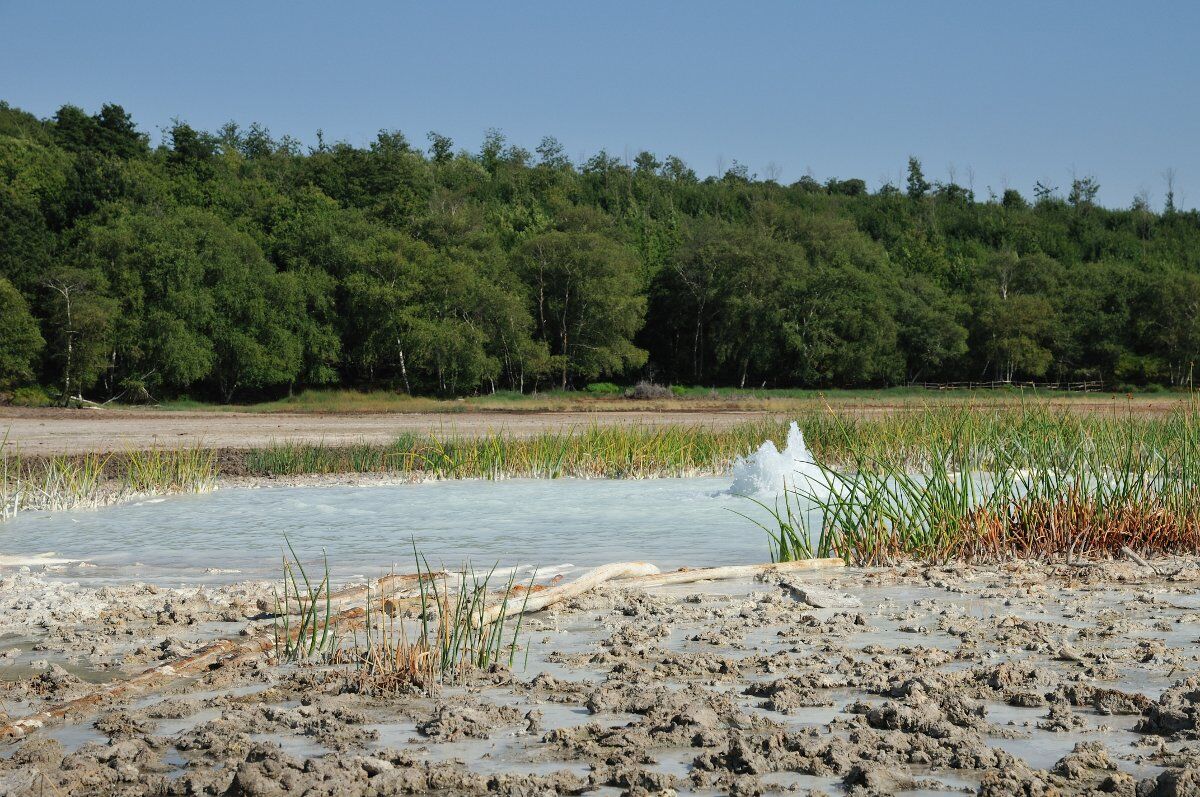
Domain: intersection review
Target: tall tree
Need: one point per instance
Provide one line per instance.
(587, 299)
(20, 340)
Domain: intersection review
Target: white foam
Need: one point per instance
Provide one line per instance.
(769, 471)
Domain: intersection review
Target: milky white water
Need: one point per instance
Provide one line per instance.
(557, 525)
(549, 523)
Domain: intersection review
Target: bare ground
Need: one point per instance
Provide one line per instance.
(57, 431)
(39, 432)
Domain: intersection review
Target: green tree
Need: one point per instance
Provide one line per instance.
(20, 340)
(80, 317)
(587, 302)
(931, 333)
(200, 304)
(918, 186)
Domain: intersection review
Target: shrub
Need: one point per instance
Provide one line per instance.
(603, 389)
(648, 390)
(34, 396)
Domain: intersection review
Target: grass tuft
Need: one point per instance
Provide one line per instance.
(452, 636)
(313, 634)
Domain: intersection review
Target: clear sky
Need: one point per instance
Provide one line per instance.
(1002, 93)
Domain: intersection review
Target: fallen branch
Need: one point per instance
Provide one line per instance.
(207, 657)
(1125, 549)
(391, 587)
(692, 575)
(536, 601)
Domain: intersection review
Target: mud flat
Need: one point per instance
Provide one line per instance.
(1018, 679)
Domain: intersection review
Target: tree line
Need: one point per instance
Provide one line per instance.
(234, 265)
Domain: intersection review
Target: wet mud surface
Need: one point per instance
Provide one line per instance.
(1018, 679)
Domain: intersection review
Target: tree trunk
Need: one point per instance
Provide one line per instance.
(70, 352)
(403, 370)
(564, 360)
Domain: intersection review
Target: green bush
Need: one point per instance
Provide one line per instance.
(602, 389)
(31, 397)
(676, 390)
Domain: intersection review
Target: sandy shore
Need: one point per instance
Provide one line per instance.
(1015, 679)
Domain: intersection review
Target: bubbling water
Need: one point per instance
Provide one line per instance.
(769, 471)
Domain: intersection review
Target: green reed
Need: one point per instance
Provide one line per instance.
(1020, 483)
(632, 452)
(187, 470)
(314, 633)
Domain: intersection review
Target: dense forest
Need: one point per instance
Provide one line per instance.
(232, 266)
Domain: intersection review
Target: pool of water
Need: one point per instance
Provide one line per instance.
(556, 525)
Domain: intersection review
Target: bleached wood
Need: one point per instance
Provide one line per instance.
(727, 573)
(536, 601)
(149, 679)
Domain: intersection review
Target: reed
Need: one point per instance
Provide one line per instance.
(313, 634)
(186, 470)
(634, 452)
(450, 638)
(52, 483)
(94, 479)
(1029, 483)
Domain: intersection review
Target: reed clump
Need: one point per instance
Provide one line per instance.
(633, 452)
(53, 483)
(451, 637)
(315, 632)
(184, 470)
(994, 486)
(78, 481)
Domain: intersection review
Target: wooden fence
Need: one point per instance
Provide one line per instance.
(1076, 387)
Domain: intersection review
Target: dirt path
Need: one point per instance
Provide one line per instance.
(70, 431)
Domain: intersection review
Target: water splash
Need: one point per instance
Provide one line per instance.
(768, 471)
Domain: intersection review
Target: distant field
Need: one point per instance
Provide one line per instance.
(347, 418)
(690, 399)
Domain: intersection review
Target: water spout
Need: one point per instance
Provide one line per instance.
(769, 471)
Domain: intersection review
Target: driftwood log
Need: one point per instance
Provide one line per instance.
(391, 587)
(693, 575)
(536, 601)
(208, 657)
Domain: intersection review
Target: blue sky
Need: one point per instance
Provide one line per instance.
(1004, 93)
